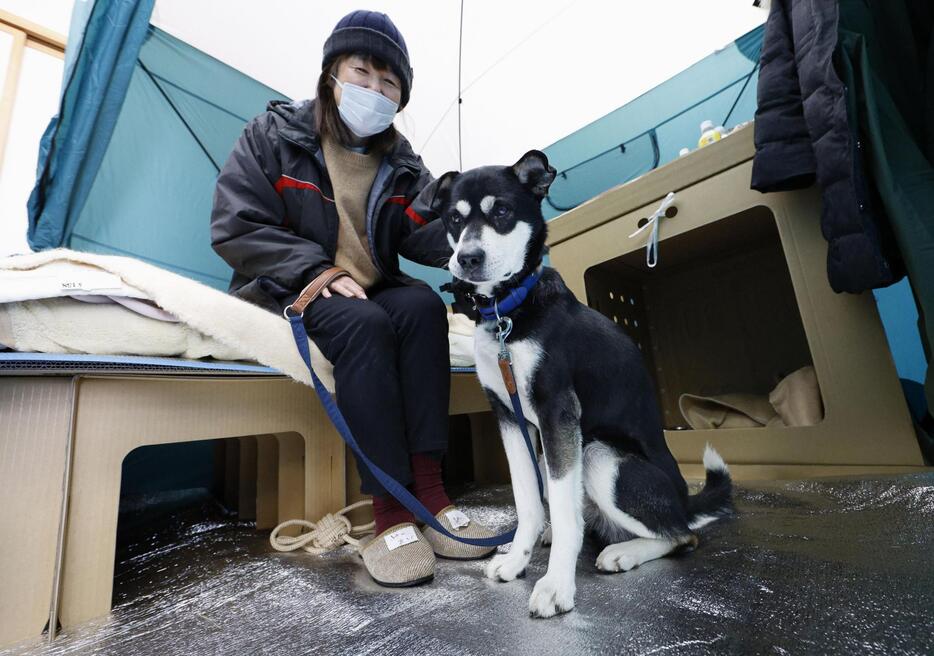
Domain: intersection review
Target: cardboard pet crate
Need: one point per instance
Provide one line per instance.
(740, 298)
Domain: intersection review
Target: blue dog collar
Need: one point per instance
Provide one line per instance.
(512, 300)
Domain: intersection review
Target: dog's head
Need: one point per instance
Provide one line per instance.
(493, 219)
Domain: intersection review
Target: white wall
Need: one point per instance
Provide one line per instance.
(52, 14)
(36, 102)
(533, 70)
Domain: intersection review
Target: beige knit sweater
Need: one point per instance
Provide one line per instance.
(352, 175)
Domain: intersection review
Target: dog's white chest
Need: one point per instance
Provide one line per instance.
(526, 356)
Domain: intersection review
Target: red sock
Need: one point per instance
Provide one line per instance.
(388, 512)
(427, 486)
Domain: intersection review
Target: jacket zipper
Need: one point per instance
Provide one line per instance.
(372, 214)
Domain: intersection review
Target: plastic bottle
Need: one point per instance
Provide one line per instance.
(709, 134)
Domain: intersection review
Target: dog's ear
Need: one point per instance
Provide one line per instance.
(430, 201)
(436, 194)
(534, 172)
(443, 191)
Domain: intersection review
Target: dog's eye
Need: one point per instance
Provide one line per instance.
(454, 218)
(500, 210)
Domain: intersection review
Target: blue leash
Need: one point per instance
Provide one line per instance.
(391, 485)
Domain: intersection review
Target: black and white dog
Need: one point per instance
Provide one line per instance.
(584, 387)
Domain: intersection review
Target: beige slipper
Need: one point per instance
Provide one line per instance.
(399, 557)
(461, 525)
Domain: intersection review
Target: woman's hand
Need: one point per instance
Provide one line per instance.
(345, 286)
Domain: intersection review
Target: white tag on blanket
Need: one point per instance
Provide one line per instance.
(457, 518)
(401, 537)
(89, 281)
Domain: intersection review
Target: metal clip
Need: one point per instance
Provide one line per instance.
(503, 329)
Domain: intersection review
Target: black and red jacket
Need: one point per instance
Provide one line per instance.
(274, 219)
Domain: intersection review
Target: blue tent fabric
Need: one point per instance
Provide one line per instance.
(650, 130)
(153, 186)
(75, 141)
(152, 199)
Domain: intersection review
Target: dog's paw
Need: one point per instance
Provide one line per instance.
(546, 537)
(506, 567)
(617, 558)
(552, 595)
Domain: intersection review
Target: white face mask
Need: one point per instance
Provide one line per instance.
(364, 111)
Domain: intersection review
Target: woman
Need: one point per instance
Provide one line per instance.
(316, 184)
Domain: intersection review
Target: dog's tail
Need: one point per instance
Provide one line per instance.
(715, 499)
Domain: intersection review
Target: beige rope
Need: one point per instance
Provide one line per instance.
(328, 533)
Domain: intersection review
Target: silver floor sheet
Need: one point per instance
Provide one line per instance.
(823, 567)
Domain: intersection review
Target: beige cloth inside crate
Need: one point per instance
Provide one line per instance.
(795, 401)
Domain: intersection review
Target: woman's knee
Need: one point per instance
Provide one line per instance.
(371, 324)
(362, 327)
(425, 308)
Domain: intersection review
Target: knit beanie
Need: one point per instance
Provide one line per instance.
(372, 33)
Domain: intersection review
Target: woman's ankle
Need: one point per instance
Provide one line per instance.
(427, 485)
(387, 512)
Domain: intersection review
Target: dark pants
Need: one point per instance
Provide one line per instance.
(391, 371)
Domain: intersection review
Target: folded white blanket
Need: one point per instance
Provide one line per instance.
(141, 306)
(59, 276)
(67, 325)
(460, 340)
(211, 323)
(215, 323)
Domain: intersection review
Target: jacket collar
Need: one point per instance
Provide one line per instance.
(490, 309)
(300, 130)
(300, 124)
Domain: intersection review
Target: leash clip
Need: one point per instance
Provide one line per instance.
(503, 329)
